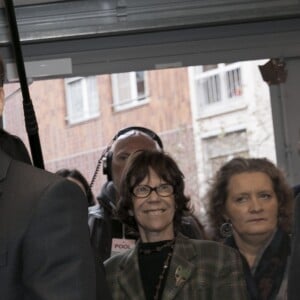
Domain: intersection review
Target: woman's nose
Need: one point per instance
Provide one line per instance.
(255, 204)
(153, 196)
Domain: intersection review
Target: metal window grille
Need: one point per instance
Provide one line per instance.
(219, 84)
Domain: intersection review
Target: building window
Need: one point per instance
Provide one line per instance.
(217, 85)
(220, 149)
(128, 89)
(82, 99)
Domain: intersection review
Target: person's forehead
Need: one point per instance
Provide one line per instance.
(249, 180)
(131, 143)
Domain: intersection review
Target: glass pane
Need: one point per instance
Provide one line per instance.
(140, 82)
(92, 95)
(211, 86)
(75, 99)
(233, 83)
(124, 87)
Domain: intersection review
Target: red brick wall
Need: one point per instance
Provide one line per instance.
(79, 146)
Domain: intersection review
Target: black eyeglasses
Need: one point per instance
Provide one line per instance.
(143, 191)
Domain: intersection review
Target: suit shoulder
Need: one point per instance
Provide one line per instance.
(31, 174)
(32, 182)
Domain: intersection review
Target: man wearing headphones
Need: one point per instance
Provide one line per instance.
(108, 235)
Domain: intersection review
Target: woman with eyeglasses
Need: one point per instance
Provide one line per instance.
(164, 264)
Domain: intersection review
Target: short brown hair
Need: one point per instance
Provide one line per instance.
(137, 168)
(218, 191)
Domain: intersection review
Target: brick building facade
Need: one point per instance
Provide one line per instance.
(167, 111)
(205, 115)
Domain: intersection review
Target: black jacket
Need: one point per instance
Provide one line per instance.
(14, 146)
(45, 250)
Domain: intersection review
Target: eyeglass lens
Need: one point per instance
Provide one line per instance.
(145, 190)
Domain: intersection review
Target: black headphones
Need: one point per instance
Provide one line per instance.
(107, 159)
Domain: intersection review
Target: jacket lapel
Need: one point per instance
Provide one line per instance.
(5, 161)
(4, 164)
(129, 276)
(181, 268)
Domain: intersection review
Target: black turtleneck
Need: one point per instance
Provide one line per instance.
(151, 267)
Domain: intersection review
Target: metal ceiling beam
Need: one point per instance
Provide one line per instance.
(32, 2)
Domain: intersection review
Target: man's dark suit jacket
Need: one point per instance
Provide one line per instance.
(14, 146)
(45, 252)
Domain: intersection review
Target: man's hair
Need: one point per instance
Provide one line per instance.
(77, 175)
(2, 72)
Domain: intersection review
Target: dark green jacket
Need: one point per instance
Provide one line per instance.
(213, 272)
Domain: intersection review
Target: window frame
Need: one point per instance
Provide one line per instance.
(87, 97)
(135, 100)
(226, 103)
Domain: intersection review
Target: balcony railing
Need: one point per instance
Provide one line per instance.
(219, 85)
